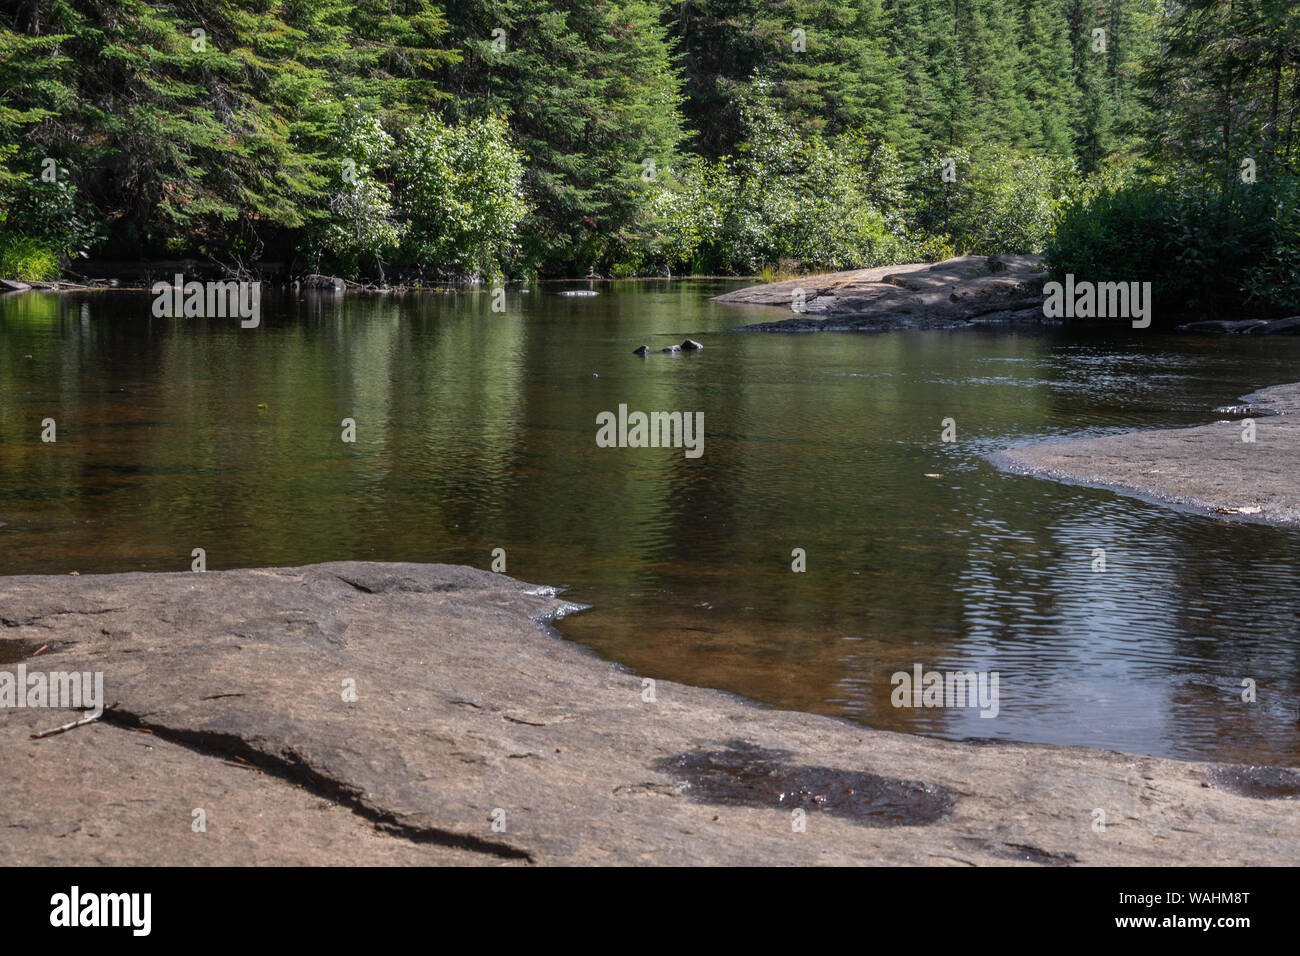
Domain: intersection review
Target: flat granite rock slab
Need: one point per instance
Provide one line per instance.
(1207, 468)
(942, 295)
(477, 735)
(105, 796)
(830, 283)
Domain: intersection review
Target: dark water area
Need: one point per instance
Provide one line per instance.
(476, 430)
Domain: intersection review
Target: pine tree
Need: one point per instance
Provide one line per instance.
(992, 61)
(927, 51)
(1226, 86)
(198, 127)
(829, 66)
(590, 90)
(1047, 86)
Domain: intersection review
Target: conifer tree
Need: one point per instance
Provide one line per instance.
(590, 91)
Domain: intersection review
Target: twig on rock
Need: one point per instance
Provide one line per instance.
(70, 726)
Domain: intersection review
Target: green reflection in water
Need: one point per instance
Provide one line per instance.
(476, 430)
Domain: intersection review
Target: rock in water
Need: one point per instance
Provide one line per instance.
(331, 283)
(672, 348)
(1290, 326)
(690, 345)
(641, 350)
(1224, 326)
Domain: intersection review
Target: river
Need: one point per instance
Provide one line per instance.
(476, 430)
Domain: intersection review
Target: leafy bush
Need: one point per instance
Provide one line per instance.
(359, 224)
(460, 191)
(1205, 252)
(1273, 284)
(437, 197)
(785, 196)
(847, 202)
(1001, 201)
(685, 210)
(50, 210)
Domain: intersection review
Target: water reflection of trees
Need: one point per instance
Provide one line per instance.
(476, 430)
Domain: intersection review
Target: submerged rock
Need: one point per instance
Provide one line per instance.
(641, 350)
(672, 349)
(690, 345)
(1288, 326)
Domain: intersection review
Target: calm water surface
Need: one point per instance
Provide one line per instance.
(476, 431)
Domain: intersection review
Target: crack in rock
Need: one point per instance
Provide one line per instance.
(291, 767)
(1022, 852)
(31, 621)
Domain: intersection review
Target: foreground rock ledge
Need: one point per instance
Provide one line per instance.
(225, 693)
(1206, 468)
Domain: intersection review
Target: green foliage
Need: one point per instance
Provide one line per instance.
(200, 123)
(551, 135)
(1204, 252)
(1226, 86)
(848, 202)
(30, 92)
(1212, 232)
(828, 63)
(1273, 283)
(787, 196)
(461, 194)
(361, 224)
(438, 197)
(1000, 200)
(590, 92)
(27, 258)
(920, 74)
(44, 205)
(688, 206)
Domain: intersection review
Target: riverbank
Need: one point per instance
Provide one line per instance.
(397, 713)
(143, 281)
(1207, 468)
(137, 281)
(964, 292)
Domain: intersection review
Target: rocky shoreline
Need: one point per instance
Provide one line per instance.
(964, 292)
(1205, 468)
(960, 292)
(362, 713)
